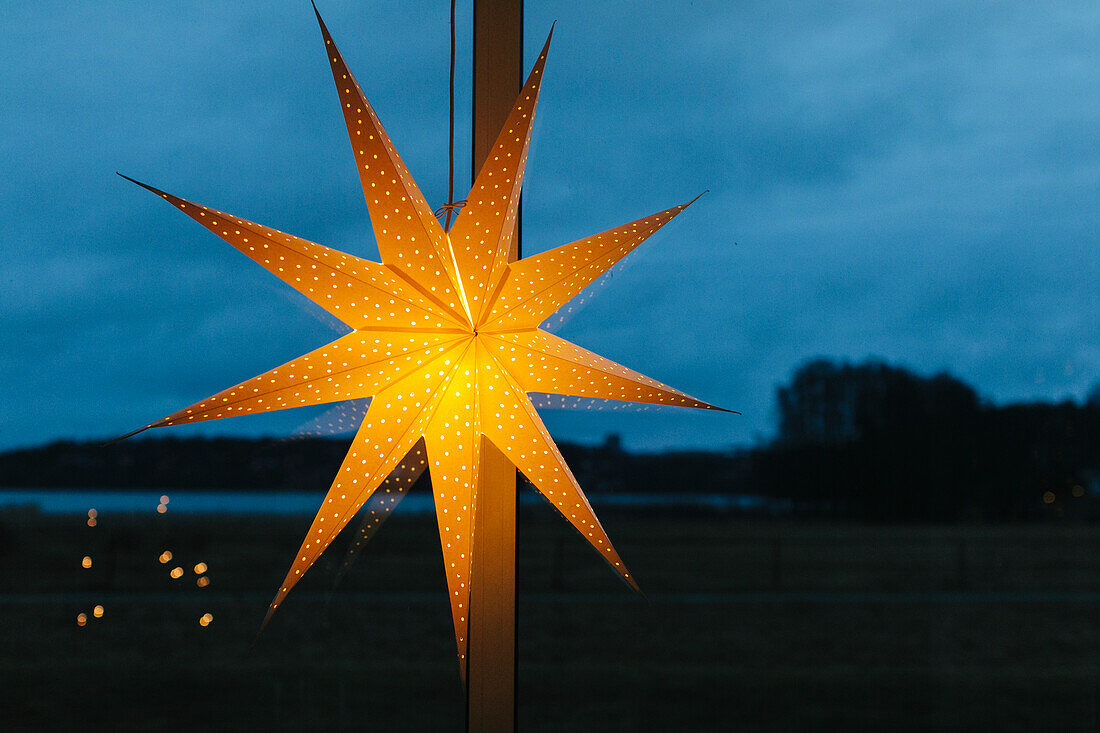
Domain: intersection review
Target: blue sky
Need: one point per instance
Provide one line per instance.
(911, 181)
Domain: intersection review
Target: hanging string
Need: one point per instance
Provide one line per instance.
(452, 206)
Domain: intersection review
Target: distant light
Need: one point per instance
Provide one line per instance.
(92, 514)
(91, 521)
(1048, 497)
(98, 611)
(202, 582)
(165, 556)
(1078, 490)
(177, 572)
(164, 499)
(81, 619)
(87, 561)
(200, 568)
(205, 619)
(162, 508)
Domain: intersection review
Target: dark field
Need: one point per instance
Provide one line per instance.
(747, 626)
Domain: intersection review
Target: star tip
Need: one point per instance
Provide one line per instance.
(136, 182)
(263, 626)
(120, 438)
(704, 193)
(320, 20)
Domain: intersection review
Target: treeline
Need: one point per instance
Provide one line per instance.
(308, 464)
(863, 441)
(876, 441)
(174, 463)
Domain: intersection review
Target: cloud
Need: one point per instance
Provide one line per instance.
(914, 182)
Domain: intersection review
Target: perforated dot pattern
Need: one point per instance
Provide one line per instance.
(511, 423)
(535, 287)
(354, 366)
(341, 419)
(445, 345)
(543, 362)
(361, 293)
(481, 237)
(395, 421)
(409, 236)
(384, 500)
(454, 458)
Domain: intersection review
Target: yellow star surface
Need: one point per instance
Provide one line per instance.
(444, 339)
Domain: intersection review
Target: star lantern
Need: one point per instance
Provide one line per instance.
(445, 341)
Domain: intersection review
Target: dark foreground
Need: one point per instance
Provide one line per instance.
(748, 626)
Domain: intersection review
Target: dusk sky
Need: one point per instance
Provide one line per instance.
(916, 182)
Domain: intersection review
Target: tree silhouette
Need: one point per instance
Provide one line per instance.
(876, 441)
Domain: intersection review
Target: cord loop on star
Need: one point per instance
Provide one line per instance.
(452, 207)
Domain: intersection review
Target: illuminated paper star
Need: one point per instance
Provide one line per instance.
(445, 340)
